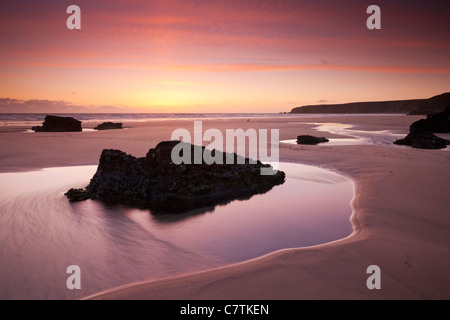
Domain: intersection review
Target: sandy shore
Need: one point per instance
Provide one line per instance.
(401, 214)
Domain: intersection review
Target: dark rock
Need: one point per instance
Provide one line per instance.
(59, 124)
(421, 132)
(310, 140)
(423, 139)
(438, 123)
(154, 182)
(75, 195)
(108, 126)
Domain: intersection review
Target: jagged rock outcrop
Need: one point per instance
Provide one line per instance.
(108, 126)
(421, 133)
(311, 140)
(59, 124)
(437, 123)
(423, 139)
(154, 182)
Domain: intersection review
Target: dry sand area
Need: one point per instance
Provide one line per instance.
(401, 213)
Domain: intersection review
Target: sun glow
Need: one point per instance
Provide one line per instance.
(245, 56)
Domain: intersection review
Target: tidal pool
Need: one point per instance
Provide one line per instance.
(41, 233)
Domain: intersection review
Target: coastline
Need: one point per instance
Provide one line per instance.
(399, 216)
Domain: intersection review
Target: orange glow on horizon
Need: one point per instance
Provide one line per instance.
(227, 56)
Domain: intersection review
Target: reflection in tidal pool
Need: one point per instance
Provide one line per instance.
(41, 233)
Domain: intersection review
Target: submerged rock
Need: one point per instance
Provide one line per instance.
(437, 123)
(59, 124)
(310, 140)
(108, 126)
(423, 139)
(154, 182)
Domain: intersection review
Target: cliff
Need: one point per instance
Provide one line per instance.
(417, 106)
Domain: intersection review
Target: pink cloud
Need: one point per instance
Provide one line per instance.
(252, 67)
(140, 39)
(8, 105)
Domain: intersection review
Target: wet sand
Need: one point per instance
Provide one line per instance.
(400, 214)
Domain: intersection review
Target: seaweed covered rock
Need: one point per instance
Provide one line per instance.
(310, 140)
(155, 182)
(59, 124)
(109, 126)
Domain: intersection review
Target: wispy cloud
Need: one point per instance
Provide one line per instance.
(185, 83)
(161, 52)
(253, 67)
(8, 105)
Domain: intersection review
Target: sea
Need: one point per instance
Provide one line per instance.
(32, 119)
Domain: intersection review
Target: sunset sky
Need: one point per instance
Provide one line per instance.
(218, 55)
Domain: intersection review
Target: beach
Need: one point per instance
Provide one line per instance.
(400, 211)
